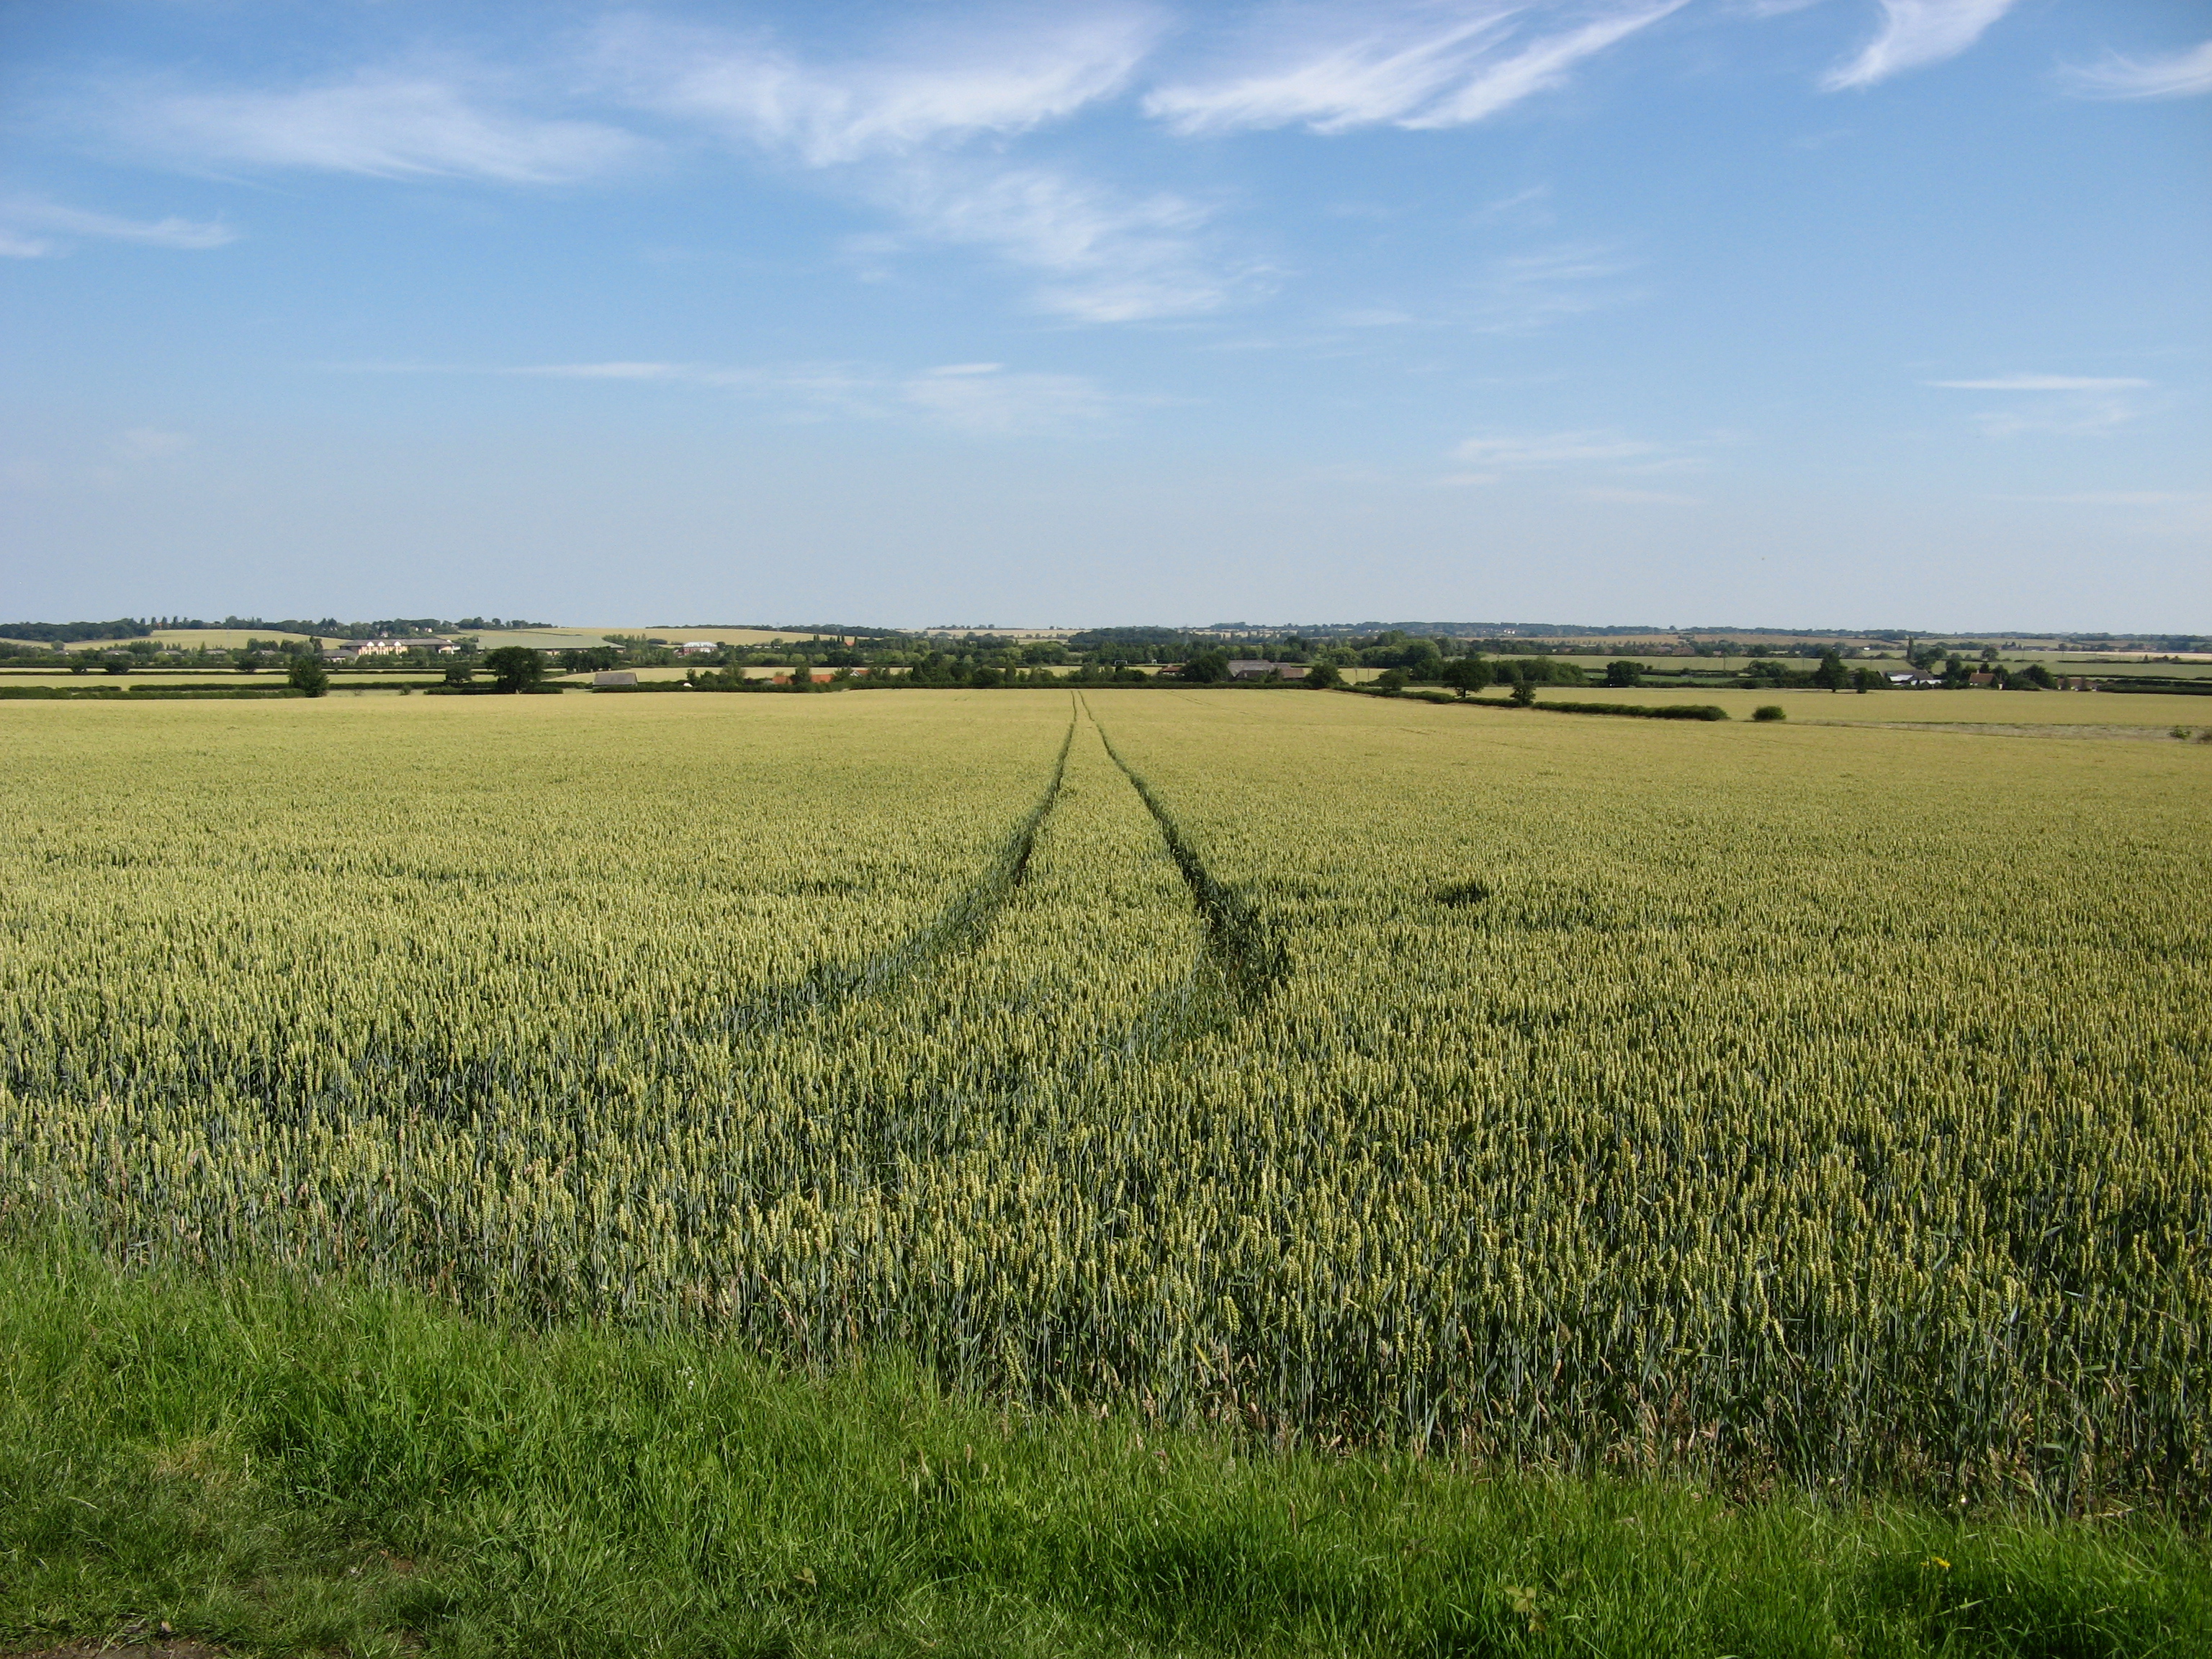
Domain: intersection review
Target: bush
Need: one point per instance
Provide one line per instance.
(308, 674)
(1665, 711)
(1769, 711)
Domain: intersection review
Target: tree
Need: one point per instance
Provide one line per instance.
(459, 673)
(1524, 694)
(1864, 680)
(1624, 675)
(1390, 681)
(1831, 675)
(514, 667)
(1323, 677)
(1206, 667)
(1466, 674)
(593, 660)
(308, 674)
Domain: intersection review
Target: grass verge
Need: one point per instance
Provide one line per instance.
(285, 1469)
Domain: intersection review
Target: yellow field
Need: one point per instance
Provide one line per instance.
(720, 635)
(1809, 1101)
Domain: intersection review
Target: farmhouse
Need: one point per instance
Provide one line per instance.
(355, 650)
(1252, 669)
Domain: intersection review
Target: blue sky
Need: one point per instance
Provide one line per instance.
(1795, 313)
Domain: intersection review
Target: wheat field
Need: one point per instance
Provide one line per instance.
(1822, 1105)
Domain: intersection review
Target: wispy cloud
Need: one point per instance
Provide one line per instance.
(980, 397)
(1423, 67)
(1107, 257)
(1529, 290)
(904, 134)
(2070, 404)
(941, 90)
(1552, 449)
(382, 123)
(22, 216)
(976, 397)
(1915, 34)
(2183, 75)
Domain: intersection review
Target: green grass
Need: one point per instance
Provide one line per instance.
(280, 1468)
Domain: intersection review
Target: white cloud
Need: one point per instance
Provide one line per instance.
(24, 214)
(1107, 257)
(2183, 75)
(385, 124)
(900, 134)
(1527, 291)
(1349, 68)
(1526, 453)
(990, 402)
(1915, 34)
(1539, 67)
(944, 90)
(2079, 405)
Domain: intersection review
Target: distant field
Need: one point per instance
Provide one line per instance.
(220, 639)
(211, 639)
(720, 635)
(267, 676)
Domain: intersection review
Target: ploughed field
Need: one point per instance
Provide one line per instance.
(1815, 1103)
